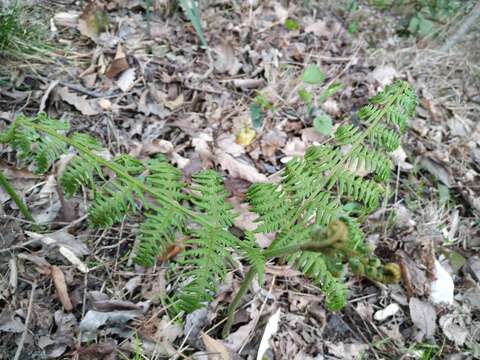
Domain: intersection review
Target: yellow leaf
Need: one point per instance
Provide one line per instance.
(245, 136)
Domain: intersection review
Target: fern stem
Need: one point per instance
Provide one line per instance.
(313, 246)
(236, 301)
(5, 184)
(119, 172)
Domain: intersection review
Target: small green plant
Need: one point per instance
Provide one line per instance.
(314, 76)
(317, 228)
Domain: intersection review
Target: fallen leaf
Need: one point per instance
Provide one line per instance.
(389, 311)
(245, 136)
(438, 170)
(86, 107)
(93, 320)
(442, 287)
(424, 316)
(384, 75)
(227, 143)
(176, 103)
(399, 157)
(270, 329)
(215, 347)
(68, 19)
(319, 28)
(272, 141)
(237, 168)
(454, 327)
(280, 12)
(92, 21)
(74, 260)
(126, 80)
(61, 286)
(246, 221)
(346, 351)
(97, 351)
(157, 146)
(119, 63)
(226, 61)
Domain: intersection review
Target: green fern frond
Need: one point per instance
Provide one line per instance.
(34, 148)
(78, 172)
(313, 265)
(251, 251)
(271, 204)
(347, 134)
(130, 164)
(368, 160)
(112, 201)
(162, 223)
(357, 188)
(208, 247)
(384, 138)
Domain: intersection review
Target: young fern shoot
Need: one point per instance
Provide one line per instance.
(306, 211)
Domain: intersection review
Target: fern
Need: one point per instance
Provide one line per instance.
(303, 210)
(313, 189)
(162, 223)
(209, 244)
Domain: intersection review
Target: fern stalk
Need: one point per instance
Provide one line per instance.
(5, 184)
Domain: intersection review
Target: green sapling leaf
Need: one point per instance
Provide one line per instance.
(313, 75)
(323, 124)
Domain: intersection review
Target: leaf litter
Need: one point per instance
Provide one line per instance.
(163, 95)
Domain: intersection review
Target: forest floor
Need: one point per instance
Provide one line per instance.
(147, 87)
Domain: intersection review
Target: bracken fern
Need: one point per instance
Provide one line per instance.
(303, 209)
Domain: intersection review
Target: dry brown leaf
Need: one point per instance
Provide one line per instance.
(61, 286)
(246, 221)
(424, 316)
(319, 28)
(272, 141)
(119, 63)
(86, 107)
(226, 61)
(438, 170)
(92, 21)
(236, 168)
(215, 347)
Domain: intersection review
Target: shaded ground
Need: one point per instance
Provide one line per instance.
(147, 88)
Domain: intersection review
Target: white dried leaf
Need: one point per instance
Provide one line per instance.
(68, 19)
(126, 80)
(454, 328)
(270, 330)
(74, 260)
(389, 311)
(442, 287)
